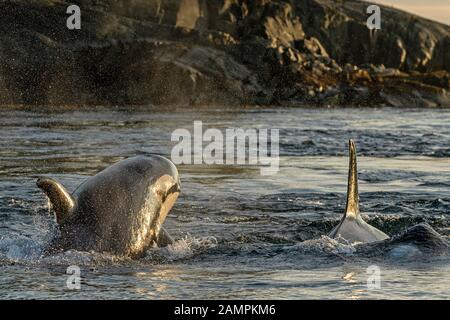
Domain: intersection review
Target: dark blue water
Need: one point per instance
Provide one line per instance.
(240, 234)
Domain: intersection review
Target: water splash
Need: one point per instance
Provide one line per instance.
(185, 248)
(19, 249)
(22, 250)
(324, 245)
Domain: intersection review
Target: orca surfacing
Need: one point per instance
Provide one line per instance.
(352, 227)
(120, 210)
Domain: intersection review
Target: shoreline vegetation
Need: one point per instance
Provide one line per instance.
(230, 52)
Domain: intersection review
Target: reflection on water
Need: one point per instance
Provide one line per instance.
(240, 234)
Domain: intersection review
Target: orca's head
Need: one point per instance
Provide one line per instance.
(166, 187)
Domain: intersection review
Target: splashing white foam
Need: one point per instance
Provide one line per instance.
(324, 244)
(184, 248)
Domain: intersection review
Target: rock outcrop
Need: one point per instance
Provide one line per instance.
(224, 52)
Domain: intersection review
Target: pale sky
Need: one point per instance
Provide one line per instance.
(438, 10)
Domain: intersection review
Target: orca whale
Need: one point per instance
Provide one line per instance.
(119, 210)
(352, 227)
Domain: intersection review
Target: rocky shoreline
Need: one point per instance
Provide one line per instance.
(229, 52)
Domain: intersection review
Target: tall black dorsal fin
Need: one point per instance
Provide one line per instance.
(61, 200)
(352, 208)
(352, 227)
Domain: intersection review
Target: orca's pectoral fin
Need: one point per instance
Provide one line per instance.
(164, 238)
(60, 199)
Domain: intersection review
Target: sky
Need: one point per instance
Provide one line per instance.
(438, 10)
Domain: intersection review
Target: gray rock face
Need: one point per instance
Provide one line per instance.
(227, 52)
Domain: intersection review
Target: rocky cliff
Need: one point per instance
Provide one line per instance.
(225, 52)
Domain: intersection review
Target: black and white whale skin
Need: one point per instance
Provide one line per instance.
(120, 210)
(420, 239)
(352, 227)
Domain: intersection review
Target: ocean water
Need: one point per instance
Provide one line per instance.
(239, 234)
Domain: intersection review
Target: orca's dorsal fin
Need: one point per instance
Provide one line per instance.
(352, 207)
(352, 227)
(62, 202)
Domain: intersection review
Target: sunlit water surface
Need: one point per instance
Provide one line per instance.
(240, 234)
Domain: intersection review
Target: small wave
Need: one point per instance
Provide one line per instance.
(13, 202)
(239, 219)
(435, 184)
(19, 249)
(79, 258)
(285, 202)
(441, 153)
(378, 176)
